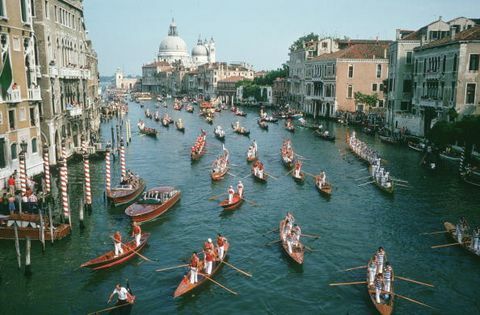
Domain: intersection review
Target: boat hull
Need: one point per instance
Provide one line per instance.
(297, 254)
(120, 197)
(156, 212)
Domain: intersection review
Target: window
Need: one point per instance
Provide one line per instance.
(324, 45)
(444, 63)
(404, 106)
(13, 151)
(380, 103)
(24, 11)
(3, 11)
(473, 65)
(34, 145)
(470, 93)
(453, 91)
(32, 7)
(11, 119)
(409, 57)
(32, 116)
(454, 66)
(374, 87)
(350, 91)
(424, 66)
(416, 67)
(407, 86)
(350, 71)
(379, 71)
(381, 88)
(3, 163)
(47, 9)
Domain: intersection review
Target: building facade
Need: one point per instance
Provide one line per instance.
(124, 83)
(19, 92)
(280, 91)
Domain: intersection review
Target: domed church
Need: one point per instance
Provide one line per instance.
(174, 49)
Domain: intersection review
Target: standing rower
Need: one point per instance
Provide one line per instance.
(378, 287)
(388, 278)
(194, 261)
(476, 239)
(240, 188)
(124, 296)
(136, 233)
(117, 237)
(372, 270)
(380, 254)
(209, 258)
(220, 246)
(231, 192)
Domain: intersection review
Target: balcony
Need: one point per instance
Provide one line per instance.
(74, 112)
(70, 73)
(34, 94)
(53, 71)
(428, 102)
(14, 96)
(86, 74)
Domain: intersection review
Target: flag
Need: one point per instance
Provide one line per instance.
(6, 75)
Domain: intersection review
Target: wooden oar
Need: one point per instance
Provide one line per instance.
(430, 233)
(170, 268)
(133, 250)
(409, 299)
(250, 202)
(231, 174)
(355, 268)
(217, 196)
(363, 178)
(108, 309)
(275, 229)
(414, 281)
(272, 242)
(400, 180)
(270, 175)
(311, 235)
(446, 245)
(220, 285)
(309, 174)
(237, 269)
(347, 283)
(366, 183)
(289, 172)
(247, 176)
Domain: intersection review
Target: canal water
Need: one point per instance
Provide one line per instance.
(352, 224)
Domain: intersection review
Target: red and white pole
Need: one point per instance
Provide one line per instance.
(46, 169)
(86, 169)
(23, 173)
(64, 156)
(107, 169)
(123, 166)
(64, 189)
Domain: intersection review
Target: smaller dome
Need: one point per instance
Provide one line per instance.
(199, 50)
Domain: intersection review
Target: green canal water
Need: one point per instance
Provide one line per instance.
(352, 224)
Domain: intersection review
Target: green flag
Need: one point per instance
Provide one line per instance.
(6, 76)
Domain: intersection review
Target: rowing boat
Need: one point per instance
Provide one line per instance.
(220, 166)
(324, 136)
(185, 286)
(235, 204)
(466, 241)
(262, 124)
(262, 179)
(300, 179)
(153, 204)
(326, 189)
(241, 130)
(152, 132)
(290, 128)
(385, 307)
(196, 155)
(180, 126)
(219, 133)
(108, 259)
(298, 252)
(389, 189)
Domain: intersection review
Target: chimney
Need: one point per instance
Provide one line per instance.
(384, 53)
(452, 32)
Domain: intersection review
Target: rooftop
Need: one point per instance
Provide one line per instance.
(234, 79)
(358, 51)
(468, 35)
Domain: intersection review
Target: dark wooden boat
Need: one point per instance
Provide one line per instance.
(185, 286)
(28, 225)
(251, 159)
(384, 307)
(285, 160)
(263, 125)
(240, 113)
(300, 179)
(189, 109)
(388, 190)
(150, 208)
(388, 139)
(270, 119)
(241, 130)
(165, 122)
(151, 132)
(290, 128)
(220, 136)
(124, 194)
(108, 259)
(467, 239)
(236, 203)
(180, 127)
(297, 254)
(209, 120)
(323, 136)
(326, 189)
(263, 179)
(177, 107)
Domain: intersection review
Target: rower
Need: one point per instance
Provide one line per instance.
(297, 232)
(298, 167)
(476, 239)
(240, 188)
(136, 233)
(220, 246)
(378, 287)
(388, 278)
(380, 259)
(122, 294)
(290, 237)
(372, 270)
(255, 148)
(231, 192)
(117, 237)
(209, 258)
(260, 170)
(194, 261)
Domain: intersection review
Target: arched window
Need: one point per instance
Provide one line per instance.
(34, 145)
(13, 151)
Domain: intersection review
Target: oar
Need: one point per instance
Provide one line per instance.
(217, 196)
(409, 299)
(414, 281)
(231, 174)
(250, 202)
(247, 176)
(400, 180)
(355, 268)
(438, 232)
(275, 229)
(170, 268)
(400, 185)
(270, 175)
(446, 245)
(366, 183)
(347, 283)
(108, 309)
(309, 174)
(237, 269)
(289, 172)
(220, 285)
(272, 242)
(299, 155)
(311, 235)
(363, 178)
(133, 250)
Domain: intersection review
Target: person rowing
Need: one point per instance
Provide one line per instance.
(117, 242)
(322, 179)
(387, 278)
(123, 296)
(298, 169)
(136, 233)
(209, 258)
(220, 246)
(461, 229)
(240, 188)
(381, 257)
(297, 232)
(378, 287)
(194, 262)
(255, 147)
(231, 192)
(372, 270)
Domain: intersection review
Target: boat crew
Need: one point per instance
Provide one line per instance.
(231, 192)
(220, 246)
(209, 258)
(461, 229)
(290, 238)
(117, 241)
(194, 261)
(122, 294)
(380, 254)
(136, 233)
(322, 179)
(289, 220)
(476, 239)
(260, 170)
(387, 278)
(378, 287)
(372, 270)
(255, 148)
(297, 232)
(298, 168)
(240, 188)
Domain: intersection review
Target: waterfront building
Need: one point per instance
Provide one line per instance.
(19, 90)
(227, 89)
(405, 110)
(124, 83)
(280, 90)
(69, 75)
(210, 74)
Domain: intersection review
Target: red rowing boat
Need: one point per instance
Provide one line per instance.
(236, 203)
(185, 286)
(109, 260)
(196, 155)
(153, 204)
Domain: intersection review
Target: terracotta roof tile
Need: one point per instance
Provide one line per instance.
(232, 79)
(358, 51)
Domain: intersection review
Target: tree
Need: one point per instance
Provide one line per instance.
(368, 100)
(299, 42)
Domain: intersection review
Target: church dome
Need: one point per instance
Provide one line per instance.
(173, 47)
(199, 50)
(173, 44)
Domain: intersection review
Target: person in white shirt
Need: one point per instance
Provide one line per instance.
(122, 295)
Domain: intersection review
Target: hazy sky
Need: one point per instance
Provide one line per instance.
(127, 33)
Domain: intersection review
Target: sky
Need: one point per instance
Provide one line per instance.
(126, 33)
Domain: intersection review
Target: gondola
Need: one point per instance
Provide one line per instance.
(189, 109)
(180, 126)
(326, 189)
(240, 113)
(290, 128)
(185, 286)
(324, 136)
(241, 130)
(153, 204)
(216, 176)
(152, 132)
(269, 119)
(219, 134)
(385, 308)
(299, 180)
(220, 166)
(165, 122)
(298, 252)
(467, 239)
(263, 179)
(108, 259)
(236, 203)
(263, 125)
